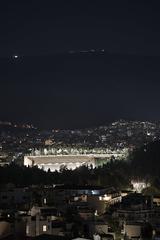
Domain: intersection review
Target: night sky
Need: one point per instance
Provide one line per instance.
(55, 84)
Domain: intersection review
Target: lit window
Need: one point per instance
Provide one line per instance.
(44, 228)
(27, 229)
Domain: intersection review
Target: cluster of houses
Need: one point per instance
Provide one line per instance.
(70, 212)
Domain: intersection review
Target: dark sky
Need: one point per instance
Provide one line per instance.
(52, 88)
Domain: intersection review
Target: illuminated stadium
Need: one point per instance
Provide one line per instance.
(56, 162)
